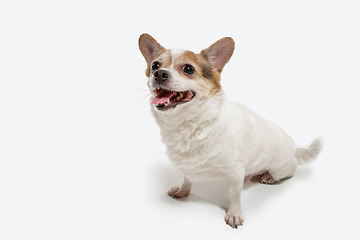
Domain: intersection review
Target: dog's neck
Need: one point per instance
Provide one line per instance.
(188, 130)
(191, 115)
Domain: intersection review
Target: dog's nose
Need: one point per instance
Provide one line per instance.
(161, 76)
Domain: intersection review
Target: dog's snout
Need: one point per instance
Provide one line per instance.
(161, 76)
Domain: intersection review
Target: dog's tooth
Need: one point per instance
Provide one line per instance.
(181, 95)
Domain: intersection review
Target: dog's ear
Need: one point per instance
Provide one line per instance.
(219, 53)
(149, 47)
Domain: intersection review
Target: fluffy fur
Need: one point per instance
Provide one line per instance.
(210, 136)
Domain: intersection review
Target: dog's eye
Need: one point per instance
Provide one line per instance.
(155, 66)
(188, 69)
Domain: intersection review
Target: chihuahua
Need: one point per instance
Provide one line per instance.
(208, 136)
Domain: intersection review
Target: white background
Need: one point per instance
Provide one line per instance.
(81, 156)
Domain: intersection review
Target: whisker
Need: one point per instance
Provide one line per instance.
(141, 89)
(144, 98)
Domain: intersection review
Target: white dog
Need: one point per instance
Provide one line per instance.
(207, 135)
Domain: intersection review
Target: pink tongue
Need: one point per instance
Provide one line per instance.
(162, 97)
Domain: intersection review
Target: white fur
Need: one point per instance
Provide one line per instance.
(222, 138)
(208, 138)
(218, 136)
(175, 53)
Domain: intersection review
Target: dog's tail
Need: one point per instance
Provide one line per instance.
(306, 154)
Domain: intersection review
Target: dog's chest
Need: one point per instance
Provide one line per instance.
(193, 153)
(190, 144)
(187, 142)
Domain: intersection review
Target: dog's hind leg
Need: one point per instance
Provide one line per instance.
(277, 173)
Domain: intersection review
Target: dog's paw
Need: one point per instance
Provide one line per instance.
(234, 220)
(265, 178)
(176, 192)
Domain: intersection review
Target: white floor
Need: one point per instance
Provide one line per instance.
(81, 156)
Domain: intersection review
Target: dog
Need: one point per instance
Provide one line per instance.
(207, 136)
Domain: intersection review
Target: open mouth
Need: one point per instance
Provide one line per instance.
(165, 99)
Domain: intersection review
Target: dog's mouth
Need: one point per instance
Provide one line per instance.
(165, 99)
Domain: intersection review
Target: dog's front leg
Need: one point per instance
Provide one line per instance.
(185, 189)
(234, 216)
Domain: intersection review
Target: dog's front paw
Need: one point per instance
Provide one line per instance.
(176, 192)
(234, 220)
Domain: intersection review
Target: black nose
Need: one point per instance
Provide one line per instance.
(161, 76)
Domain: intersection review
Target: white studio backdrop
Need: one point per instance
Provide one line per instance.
(81, 156)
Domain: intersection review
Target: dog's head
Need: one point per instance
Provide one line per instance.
(178, 78)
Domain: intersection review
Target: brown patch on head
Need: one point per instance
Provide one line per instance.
(163, 57)
(205, 75)
(209, 74)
